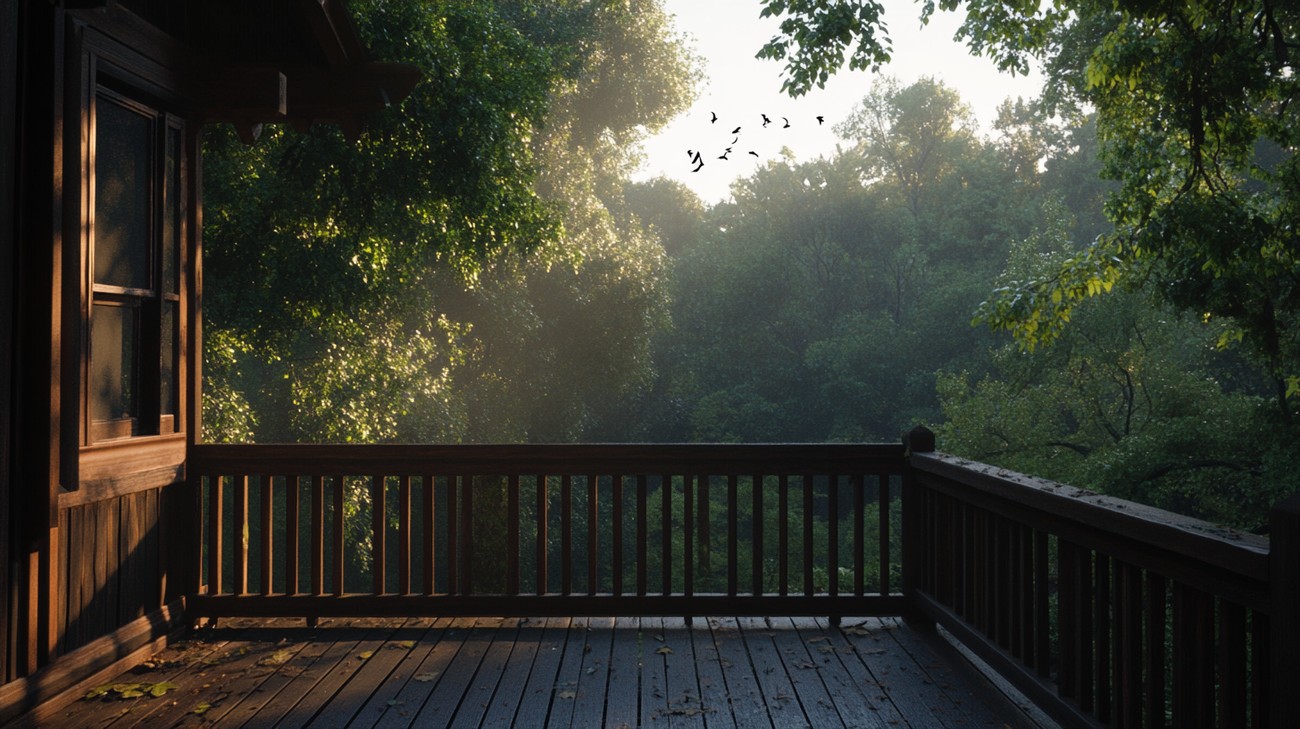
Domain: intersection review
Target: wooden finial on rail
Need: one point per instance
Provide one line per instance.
(919, 440)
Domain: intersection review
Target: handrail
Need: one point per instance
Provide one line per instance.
(549, 529)
(1104, 612)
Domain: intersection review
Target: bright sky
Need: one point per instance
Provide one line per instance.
(740, 88)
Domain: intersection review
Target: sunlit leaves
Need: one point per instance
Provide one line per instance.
(816, 35)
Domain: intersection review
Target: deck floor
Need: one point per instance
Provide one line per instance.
(557, 672)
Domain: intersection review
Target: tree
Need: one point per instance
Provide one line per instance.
(1201, 145)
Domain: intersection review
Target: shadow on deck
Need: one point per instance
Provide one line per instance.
(560, 672)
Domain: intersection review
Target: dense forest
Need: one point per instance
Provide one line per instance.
(1100, 289)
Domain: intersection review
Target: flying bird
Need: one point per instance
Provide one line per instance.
(724, 154)
(753, 153)
(700, 163)
(736, 130)
(787, 123)
(714, 120)
(820, 120)
(766, 121)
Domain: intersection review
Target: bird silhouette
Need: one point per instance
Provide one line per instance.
(753, 153)
(820, 120)
(736, 130)
(766, 121)
(787, 123)
(714, 120)
(724, 154)
(699, 163)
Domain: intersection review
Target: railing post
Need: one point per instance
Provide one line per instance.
(917, 440)
(1284, 579)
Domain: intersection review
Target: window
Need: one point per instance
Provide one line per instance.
(135, 289)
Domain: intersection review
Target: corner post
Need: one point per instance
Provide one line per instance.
(1284, 642)
(918, 440)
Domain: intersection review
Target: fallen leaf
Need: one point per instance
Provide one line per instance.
(201, 709)
(821, 639)
(365, 655)
(407, 644)
(664, 651)
(278, 658)
(426, 677)
(567, 695)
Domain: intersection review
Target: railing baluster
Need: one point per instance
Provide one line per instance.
(543, 537)
(241, 535)
(337, 546)
(1127, 618)
(783, 536)
(756, 522)
(593, 535)
(1102, 667)
(1154, 655)
(566, 535)
(512, 534)
(216, 534)
(1042, 607)
(1231, 654)
(266, 492)
(885, 565)
(317, 535)
(666, 532)
(706, 546)
(1193, 704)
(428, 509)
(808, 586)
(688, 529)
(642, 538)
(453, 534)
(617, 510)
(833, 535)
(467, 535)
(291, 536)
(733, 535)
(859, 536)
(378, 540)
(404, 535)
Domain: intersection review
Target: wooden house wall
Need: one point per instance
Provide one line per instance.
(119, 560)
(8, 118)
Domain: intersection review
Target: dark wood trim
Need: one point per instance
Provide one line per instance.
(121, 467)
(1036, 688)
(553, 605)
(556, 460)
(1284, 628)
(9, 113)
(34, 699)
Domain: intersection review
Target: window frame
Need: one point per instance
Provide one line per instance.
(148, 450)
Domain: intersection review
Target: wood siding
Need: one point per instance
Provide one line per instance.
(117, 563)
(8, 146)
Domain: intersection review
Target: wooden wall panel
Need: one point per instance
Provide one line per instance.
(111, 554)
(8, 146)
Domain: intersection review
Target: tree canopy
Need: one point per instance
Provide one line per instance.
(1196, 124)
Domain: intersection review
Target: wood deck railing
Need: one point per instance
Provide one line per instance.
(550, 530)
(1104, 612)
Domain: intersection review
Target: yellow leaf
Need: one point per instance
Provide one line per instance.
(664, 651)
(365, 655)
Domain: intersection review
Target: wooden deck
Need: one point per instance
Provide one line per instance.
(559, 672)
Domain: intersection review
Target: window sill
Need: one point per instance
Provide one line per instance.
(125, 466)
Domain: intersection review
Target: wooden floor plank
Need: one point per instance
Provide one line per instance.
(804, 673)
(339, 663)
(744, 692)
(441, 706)
(385, 699)
(568, 678)
(630, 672)
(685, 707)
(376, 665)
(774, 683)
(478, 695)
(331, 644)
(435, 659)
(622, 697)
(593, 683)
(535, 705)
(514, 677)
(712, 684)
